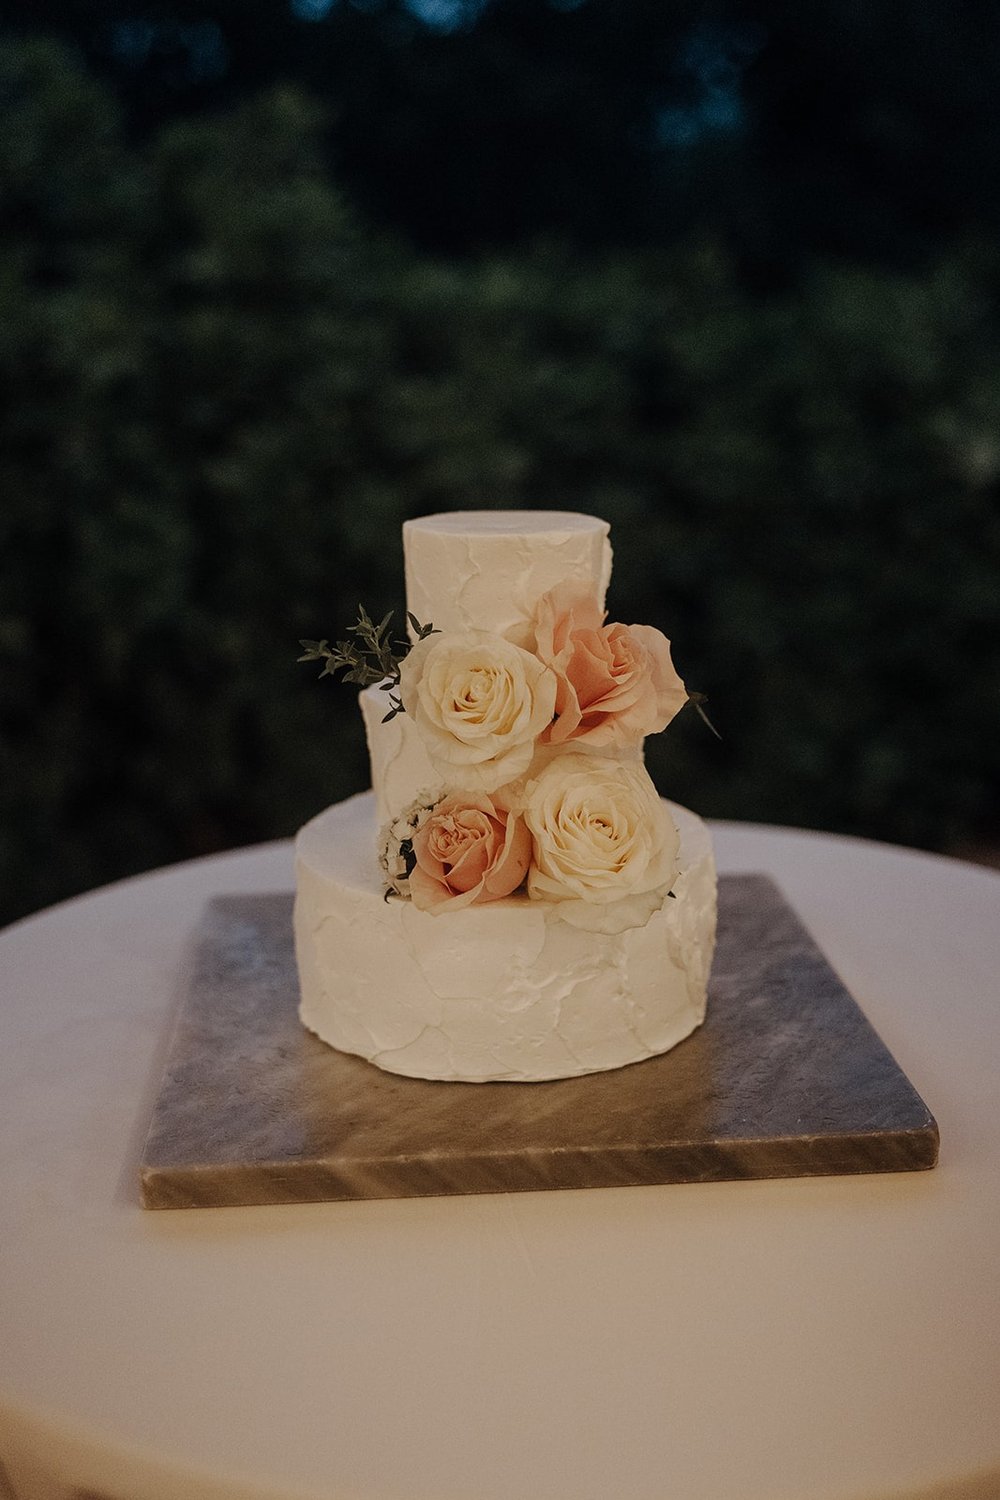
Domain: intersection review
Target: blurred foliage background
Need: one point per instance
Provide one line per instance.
(274, 277)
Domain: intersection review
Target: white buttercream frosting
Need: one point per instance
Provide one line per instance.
(504, 991)
(487, 569)
(402, 771)
(509, 989)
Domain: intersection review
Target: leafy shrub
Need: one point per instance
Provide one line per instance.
(223, 392)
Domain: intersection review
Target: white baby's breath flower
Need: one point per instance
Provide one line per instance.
(395, 843)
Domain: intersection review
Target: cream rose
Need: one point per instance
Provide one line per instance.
(467, 850)
(479, 704)
(616, 683)
(603, 842)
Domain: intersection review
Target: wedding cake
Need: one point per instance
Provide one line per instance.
(512, 901)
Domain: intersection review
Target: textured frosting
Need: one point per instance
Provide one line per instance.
(506, 991)
(401, 768)
(487, 569)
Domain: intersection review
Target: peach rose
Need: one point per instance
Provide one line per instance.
(616, 683)
(479, 704)
(469, 849)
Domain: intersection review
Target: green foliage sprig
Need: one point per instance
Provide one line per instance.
(376, 659)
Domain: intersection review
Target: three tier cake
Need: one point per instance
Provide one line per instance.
(512, 901)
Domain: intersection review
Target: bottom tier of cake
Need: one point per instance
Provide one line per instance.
(506, 991)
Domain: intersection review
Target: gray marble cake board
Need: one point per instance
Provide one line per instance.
(786, 1078)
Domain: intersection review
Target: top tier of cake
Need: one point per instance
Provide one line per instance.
(486, 570)
(477, 570)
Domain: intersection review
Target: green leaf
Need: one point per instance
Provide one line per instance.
(697, 701)
(373, 660)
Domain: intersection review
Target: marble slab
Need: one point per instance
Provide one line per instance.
(786, 1078)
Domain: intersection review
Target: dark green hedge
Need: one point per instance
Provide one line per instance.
(222, 393)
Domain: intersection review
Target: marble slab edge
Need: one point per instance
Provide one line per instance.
(786, 1079)
(439, 1175)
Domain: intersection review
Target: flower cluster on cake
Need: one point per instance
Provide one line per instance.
(513, 901)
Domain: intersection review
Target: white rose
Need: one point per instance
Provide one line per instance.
(479, 704)
(604, 844)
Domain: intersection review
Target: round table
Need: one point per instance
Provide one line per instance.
(804, 1339)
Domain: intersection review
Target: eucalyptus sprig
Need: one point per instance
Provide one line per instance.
(375, 658)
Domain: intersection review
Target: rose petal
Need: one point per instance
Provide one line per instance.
(671, 694)
(512, 865)
(473, 864)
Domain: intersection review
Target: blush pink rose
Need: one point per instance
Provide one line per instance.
(616, 683)
(469, 849)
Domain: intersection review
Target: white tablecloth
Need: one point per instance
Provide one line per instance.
(812, 1339)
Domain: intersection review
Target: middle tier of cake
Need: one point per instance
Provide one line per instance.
(402, 770)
